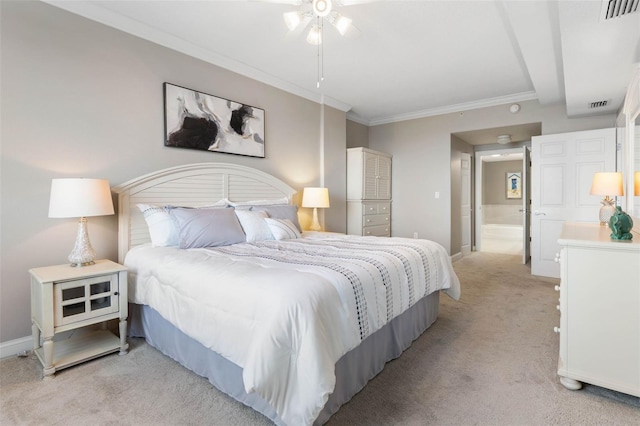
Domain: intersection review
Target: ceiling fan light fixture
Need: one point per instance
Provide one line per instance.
(292, 19)
(315, 36)
(342, 23)
(321, 7)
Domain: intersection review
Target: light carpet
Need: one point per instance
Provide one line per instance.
(490, 359)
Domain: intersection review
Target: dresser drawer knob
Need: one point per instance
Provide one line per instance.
(558, 307)
(368, 220)
(556, 288)
(557, 258)
(556, 329)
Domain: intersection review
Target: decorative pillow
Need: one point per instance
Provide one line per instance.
(162, 228)
(278, 201)
(281, 212)
(207, 227)
(255, 228)
(283, 229)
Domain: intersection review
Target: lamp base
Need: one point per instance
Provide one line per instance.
(607, 210)
(83, 253)
(315, 225)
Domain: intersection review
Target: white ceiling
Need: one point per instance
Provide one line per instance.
(411, 58)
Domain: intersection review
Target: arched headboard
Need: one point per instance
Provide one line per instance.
(191, 185)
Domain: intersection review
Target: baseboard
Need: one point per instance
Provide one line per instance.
(15, 347)
(456, 257)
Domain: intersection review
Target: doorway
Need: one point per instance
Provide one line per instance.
(499, 208)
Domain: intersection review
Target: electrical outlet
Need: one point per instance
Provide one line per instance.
(437, 195)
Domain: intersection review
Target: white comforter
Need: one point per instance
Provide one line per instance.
(286, 311)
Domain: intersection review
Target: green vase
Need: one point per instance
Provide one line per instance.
(620, 225)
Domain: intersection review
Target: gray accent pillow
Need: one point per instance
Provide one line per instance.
(281, 212)
(207, 227)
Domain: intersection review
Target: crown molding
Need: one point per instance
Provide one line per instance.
(484, 103)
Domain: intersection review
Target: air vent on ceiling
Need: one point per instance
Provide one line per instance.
(598, 104)
(616, 8)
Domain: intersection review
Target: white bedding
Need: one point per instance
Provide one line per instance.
(286, 311)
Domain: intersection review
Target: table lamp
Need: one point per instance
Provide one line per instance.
(607, 183)
(78, 197)
(636, 184)
(315, 198)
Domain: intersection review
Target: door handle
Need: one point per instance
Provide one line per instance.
(537, 213)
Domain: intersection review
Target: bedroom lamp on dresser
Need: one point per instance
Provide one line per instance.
(78, 197)
(315, 198)
(607, 184)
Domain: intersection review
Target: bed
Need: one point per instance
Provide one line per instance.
(292, 325)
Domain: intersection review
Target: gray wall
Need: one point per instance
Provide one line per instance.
(421, 150)
(494, 183)
(357, 135)
(80, 99)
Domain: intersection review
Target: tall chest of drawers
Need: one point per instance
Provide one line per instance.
(368, 192)
(599, 309)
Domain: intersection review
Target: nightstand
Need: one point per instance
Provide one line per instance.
(67, 298)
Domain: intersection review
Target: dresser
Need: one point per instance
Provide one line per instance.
(599, 309)
(368, 192)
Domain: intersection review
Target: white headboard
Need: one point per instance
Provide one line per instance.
(191, 185)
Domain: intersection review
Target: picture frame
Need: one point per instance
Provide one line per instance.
(196, 120)
(514, 185)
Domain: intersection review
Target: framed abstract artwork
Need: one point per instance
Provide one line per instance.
(197, 120)
(514, 185)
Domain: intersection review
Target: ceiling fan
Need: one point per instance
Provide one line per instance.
(316, 12)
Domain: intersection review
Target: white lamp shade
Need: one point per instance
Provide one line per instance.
(607, 183)
(315, 197)
(79, 197)
(315, 36)
(342, 24)
(292, 19)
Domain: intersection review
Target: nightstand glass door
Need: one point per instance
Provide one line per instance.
(88, 298)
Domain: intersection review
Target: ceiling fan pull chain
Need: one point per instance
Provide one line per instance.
(322, 48)
(319, 52)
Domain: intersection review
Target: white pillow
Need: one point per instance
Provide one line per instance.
(254, 225)
(162, 228)
(210, 227)
(282, 229)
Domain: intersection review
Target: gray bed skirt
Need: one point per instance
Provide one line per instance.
(353, 370)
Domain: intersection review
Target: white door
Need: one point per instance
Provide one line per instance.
(562, 169)
(465, 194)
(526, 204)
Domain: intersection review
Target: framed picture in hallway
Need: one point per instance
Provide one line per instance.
(197, 120)
(514, 185)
